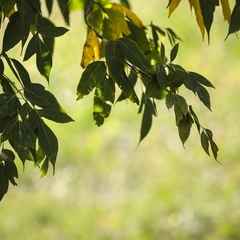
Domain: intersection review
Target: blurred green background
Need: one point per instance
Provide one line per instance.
(107, 189)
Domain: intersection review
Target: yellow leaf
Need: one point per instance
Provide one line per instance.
(118, 19)
(226, 10)
(10, 13)
(172, 6)
(91, 49)
(196, 5)
(130, 15)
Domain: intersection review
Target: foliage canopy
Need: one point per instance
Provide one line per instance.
(119, 54)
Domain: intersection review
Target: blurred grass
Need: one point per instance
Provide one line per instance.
(105, 188)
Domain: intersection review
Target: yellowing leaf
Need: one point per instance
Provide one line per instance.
(10, 13)
(91, 49)
(130, 15)
(196, 5)
(226, 10)
(172, 6)
(117, 17)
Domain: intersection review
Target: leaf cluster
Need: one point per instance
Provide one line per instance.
(205, 10)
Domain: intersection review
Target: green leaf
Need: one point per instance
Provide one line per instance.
(195, 118)
(7, 6)
(1, 68)
(115, 59)
(214, 148)
(35, 5)
(9, 130)
(153, 88)
(125, 3)
(176, 78)
(204, 96)
(44, 167)
(200, 79)
(11, 172)
(95, 18)
(126, 87)
(162, 52)
(9, 104)
(181, 102)
(234, 25)
(49, 4)
(174, 52)
(162, 76)
(184, 129)
(27, 17)
(101, 109)
(93, 74)
(169, 100)
(205, 142)
(178, 113)
(32, 47)
(48, 142)
(22, 72)
(12, 34)
(52, 31)
(207, 9)
(146, 125)
(4, 181)
(37, 95)
(44, 60)
(135, 55)
(7, 155)
(55, 115)
(63, 5)
(106, 90)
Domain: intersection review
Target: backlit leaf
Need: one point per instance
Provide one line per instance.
(172, 6)
(91, 49)
(196, 5)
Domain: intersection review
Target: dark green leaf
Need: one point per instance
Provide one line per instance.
(1, 68)
(153, 88)
(44, 60)
(35, 5)
(207, 9)
(37, 95)
(174, 52)
(135, 55)
(27, 17)
(205, 142)
(115, 59)
(214, 148)
(12, 34)
(48, 142)
(7, 6)
(195, 77)
(162, 52)
(52, 31)
(162, 76)
(63, 5)
(22, 72)
(176, 78)
(172, 36)
(49, 4)
(7, 155)
(11, 172)
(195, 118)
(55, 115)
(9, 105)
(169, 100)
(32, 47)
(9, 130)
(184, 129)
(204, 96)
(93, 74)
(25, 110)
(125, 3)
(146, 125)
(126, 87)
(3, 180)
(181, 102)
(234, 25)
(106, 90)
(178, 113)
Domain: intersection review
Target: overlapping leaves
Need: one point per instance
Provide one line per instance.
(204, 11)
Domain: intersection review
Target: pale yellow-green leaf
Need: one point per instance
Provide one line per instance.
(226, 10)
(130, 15)
(196, 5)
(117, 17)
(172, 6)
(91, 49)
